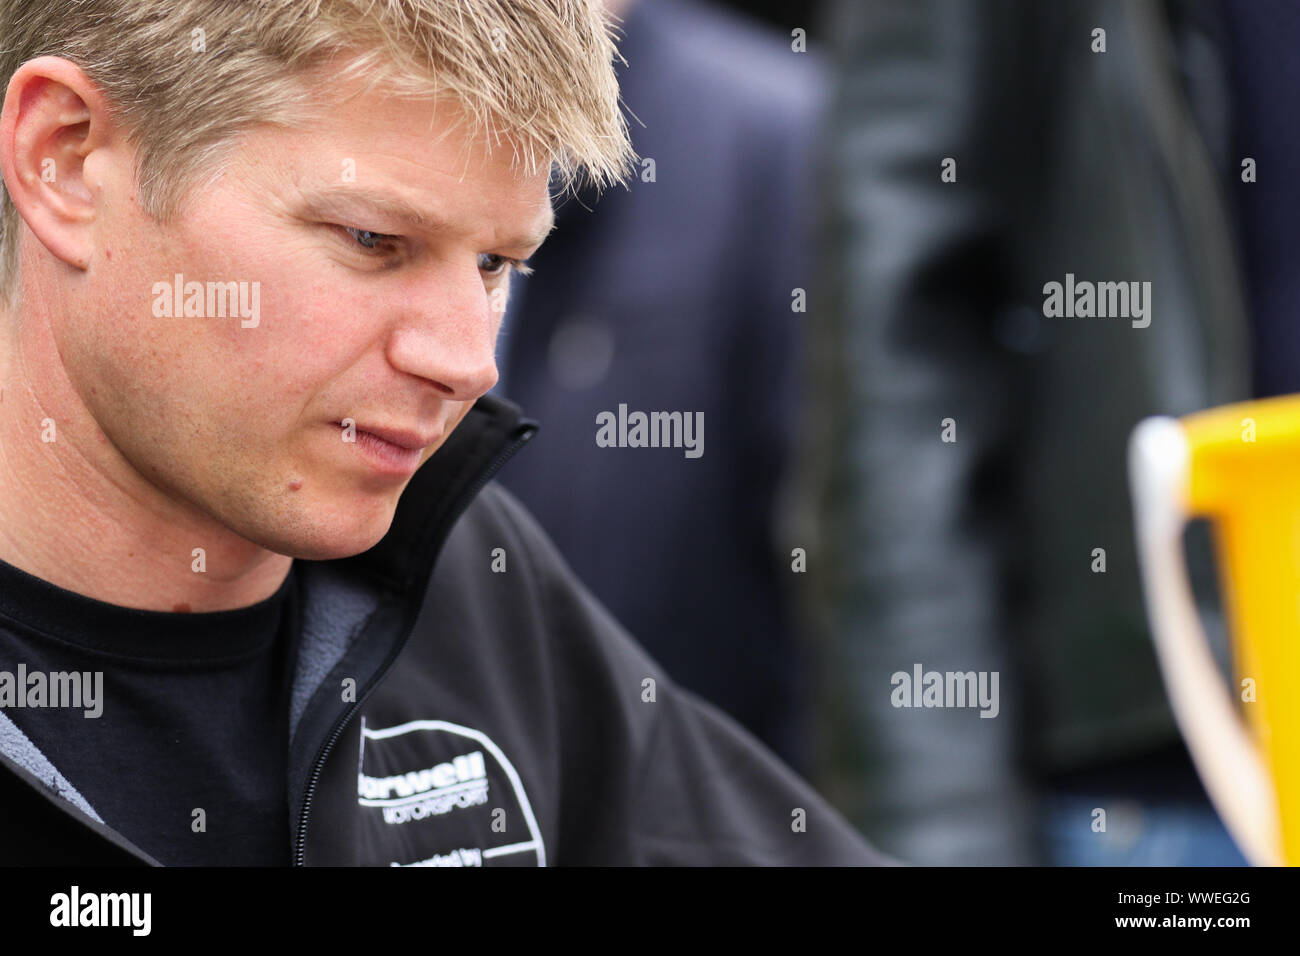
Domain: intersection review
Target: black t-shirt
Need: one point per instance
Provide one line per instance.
(194, 716)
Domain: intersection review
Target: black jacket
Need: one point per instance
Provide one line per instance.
(489, 713)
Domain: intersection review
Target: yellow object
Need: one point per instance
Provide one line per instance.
(1239, 467)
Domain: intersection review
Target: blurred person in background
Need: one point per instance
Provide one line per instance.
(971, 443)
(677, 295)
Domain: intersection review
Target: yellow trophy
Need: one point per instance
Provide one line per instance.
(1238, 466)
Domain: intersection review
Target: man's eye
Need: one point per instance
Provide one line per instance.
(367, 240)
(494, 264)
(488, 263)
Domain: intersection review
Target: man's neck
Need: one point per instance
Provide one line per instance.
(75, 513)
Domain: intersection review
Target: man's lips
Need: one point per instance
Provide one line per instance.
(394, 453)
(409, 439)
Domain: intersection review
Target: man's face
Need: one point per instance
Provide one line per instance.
(242, 421)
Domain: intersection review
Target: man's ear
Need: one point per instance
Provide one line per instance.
(54, 119)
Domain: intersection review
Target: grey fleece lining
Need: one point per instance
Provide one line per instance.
(335, 607)
(15, 745)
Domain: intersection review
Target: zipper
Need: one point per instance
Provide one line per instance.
(523, 433)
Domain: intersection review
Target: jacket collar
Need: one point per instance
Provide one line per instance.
(359, 612)
(437, 494)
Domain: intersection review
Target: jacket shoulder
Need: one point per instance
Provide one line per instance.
(649, 772)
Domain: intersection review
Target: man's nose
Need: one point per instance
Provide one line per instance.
(448, 335)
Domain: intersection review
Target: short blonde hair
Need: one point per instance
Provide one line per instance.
(187, 76)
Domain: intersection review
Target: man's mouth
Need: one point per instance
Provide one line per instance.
(393, 451)
(410, 439)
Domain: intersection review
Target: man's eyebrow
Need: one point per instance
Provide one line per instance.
(330, 198)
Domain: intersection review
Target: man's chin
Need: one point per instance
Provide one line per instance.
(324, 542)
(316, 552)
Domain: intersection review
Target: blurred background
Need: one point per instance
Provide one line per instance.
(838, 253)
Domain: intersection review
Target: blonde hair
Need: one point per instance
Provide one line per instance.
(185, 77)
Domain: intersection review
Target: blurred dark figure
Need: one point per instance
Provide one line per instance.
(1011, 548)
(1260, 38)
(676, 295)
(782, 14)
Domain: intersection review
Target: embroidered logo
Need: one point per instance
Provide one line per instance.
(439, 794)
